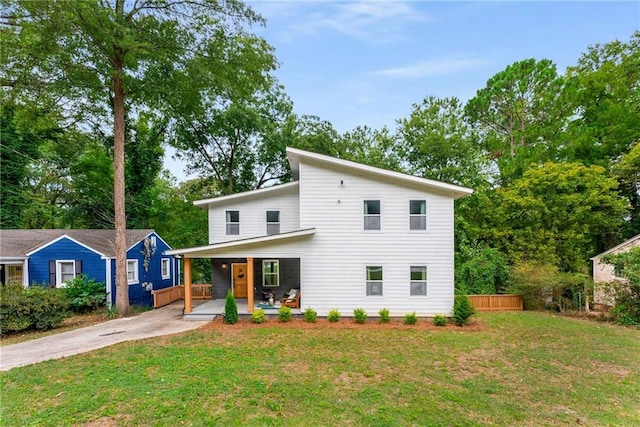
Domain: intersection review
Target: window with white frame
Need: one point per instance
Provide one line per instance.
(270, 273)
(273, 222)
(418, 214)
(65, 272)
(374, 280)
(418, 281)
(13, 274)
(166, 268)
(372, 214)
(233, 222)
(132, 271)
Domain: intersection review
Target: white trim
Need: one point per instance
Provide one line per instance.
(426, 215)
(59, 262)
(247, 194)
(295, 155)
(426, 280)
(204, 251)
(267, 223)
(613, 249)
(364, 216)
(57, 239)
(373, 265)
(168, 262)
(136, 279)
(108, 284)
(25, 274)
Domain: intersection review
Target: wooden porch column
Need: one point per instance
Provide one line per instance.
(250, 287)
(187, 285)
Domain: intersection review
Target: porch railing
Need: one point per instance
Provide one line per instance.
(201, 291)
(166, 296)
(496, 302)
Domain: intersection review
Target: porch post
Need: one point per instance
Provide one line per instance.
(250, 287)
(187, 285)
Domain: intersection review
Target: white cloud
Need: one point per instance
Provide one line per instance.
(433, 67)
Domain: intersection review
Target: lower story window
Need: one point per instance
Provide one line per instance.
(418, 280)
(374, 280)
(270, 273)
(132, 271)
(66, 272)
(166, 272)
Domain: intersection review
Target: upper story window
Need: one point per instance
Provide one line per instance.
(418, 214)
(372, 214)
(374, 280)
(418, 283)
(132, 271)
(273, 222)
(233, 222)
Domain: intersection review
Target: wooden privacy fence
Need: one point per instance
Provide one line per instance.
(166, 296)
(496, 302)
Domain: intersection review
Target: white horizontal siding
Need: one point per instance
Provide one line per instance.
(253, 221)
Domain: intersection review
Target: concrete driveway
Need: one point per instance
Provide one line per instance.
(162, 321)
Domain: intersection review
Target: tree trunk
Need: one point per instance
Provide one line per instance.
(122, 286)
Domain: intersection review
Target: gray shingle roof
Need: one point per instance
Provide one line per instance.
(17, 243)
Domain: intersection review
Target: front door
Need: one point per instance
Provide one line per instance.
(239, 274)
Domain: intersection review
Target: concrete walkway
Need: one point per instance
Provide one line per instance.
(162, 321)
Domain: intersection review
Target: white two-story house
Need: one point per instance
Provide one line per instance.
(345, 235)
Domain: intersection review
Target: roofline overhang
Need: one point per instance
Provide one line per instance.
(208, 250)
(626, 242)
(232, 197)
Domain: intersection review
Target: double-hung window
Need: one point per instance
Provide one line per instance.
(132, 271)
(418, 214)
(270, 273)
(372, 214)
(418, 283)
(273, 222)
(66, 271)
(166, 270)
(233, 222)
(374, 280)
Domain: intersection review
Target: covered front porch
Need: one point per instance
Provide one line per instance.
(212, 309)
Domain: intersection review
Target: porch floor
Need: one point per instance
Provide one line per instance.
(211, 309)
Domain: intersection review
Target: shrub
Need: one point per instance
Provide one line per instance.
(333, 316)
(384, 315)
(284, 314)
(230, 310)
(86, 294)
(462, 310)
(626, 293)
(359, 315)
(410, 319)
(310, 315)
(35, 307)
(480, 270)
(257, 316)
(440, 320)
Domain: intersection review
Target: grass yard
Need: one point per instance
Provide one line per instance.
(522, 368)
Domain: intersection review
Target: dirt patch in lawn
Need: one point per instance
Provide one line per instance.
(423, 324)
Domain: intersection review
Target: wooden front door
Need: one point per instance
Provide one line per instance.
(239, 274)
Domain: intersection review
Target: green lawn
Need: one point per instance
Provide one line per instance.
(522, 368)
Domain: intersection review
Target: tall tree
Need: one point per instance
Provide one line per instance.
(103, 57)
(372, 147)
(519, 116)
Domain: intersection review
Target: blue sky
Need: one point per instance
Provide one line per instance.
(366, 62)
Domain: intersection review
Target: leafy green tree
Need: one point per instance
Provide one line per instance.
(627, 294)
(435, 142)
(480, 270)
(371, 147)
(557, 213)
(627, 170)
(519, 116)
(103, 59)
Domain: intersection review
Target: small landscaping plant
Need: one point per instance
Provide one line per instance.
(86, 294)
(462, 310)
(35, 307)
(230, 310)
(359, 315)
(410, 319)
(257, 316)
(440, 320)
(384, 315)
(284, 314)
(333, 316)
(310, 315)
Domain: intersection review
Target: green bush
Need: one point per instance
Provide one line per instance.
(35, 307)
(440, 320)
(230, 310)
(257, 316)
(359, 315)
(480, 270)
(333, 316)
(384, 315)
(310, 315)
(462, 310)
(410, 319)
(284, 314)
(86, 294)
(626, 294)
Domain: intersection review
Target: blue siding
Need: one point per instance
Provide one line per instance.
(65, 249)
(138, 295)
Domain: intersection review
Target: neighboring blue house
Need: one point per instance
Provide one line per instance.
(52, 257)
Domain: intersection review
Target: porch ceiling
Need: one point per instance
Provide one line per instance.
(217, 249)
